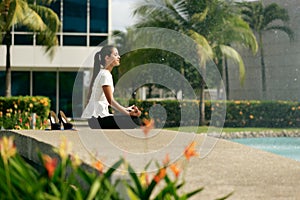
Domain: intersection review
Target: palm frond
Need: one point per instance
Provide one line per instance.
(236, 57)
(237, 30)
(181, 8)
(284, 29)
(205, 50)
(40, 2)
(148, 8)
(16, 14)
(45, 23)
(161, 10)
(199, 17)
(48, 16)
(274, 12)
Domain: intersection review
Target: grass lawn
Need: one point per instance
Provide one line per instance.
(203, 129)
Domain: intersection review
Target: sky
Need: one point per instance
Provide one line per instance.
(122, 13)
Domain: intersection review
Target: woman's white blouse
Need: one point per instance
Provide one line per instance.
(98, 104)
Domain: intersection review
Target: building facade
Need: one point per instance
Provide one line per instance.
(282, 61)
(85, 24)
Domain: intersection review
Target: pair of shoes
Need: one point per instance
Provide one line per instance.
(57, 121)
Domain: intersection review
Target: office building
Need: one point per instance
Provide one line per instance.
(85, 24)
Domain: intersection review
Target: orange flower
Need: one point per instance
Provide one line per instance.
(99, 166)
(251, 116)
(190, 151)
(148, 125)
(50, 164)
(160, 175)
(174, 168)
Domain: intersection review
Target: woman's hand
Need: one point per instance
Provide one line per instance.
(134, 111)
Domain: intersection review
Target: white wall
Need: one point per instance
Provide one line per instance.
(34, 57)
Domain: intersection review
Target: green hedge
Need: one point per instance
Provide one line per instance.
(238, 113)
(263, 114)
(15, 112)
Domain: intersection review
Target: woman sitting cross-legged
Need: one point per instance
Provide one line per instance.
(101, 95)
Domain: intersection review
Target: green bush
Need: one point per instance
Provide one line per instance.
(15, 112)
(277, 114)
(172, 111)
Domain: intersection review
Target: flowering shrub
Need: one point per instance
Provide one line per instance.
(16, 112)
(238, 113)
(64, 177)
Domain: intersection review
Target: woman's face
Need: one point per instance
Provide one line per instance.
(114, 58)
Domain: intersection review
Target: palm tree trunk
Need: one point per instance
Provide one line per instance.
(202, 99)
(7, 40)
(202, 104)
(263, 67)
(226, 77)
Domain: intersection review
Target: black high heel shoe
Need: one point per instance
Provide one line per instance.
(64, 120)
(55, 125)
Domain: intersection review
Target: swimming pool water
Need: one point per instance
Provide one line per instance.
(285, 146)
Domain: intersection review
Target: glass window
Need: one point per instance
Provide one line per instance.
(39, 41)
(23, 39)
(44, 84)
(20, 83)
(66, 84)
(2, 86)
(74, 40)
(74, 19)
(96, 40)
(20, 28)
(99, 16)
(55, 6)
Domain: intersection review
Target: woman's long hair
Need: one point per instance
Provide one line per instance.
(99, 62)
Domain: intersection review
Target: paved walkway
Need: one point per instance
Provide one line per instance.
(229, 167)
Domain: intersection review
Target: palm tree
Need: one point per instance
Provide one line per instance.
(261, 19)
(224, 27)
(209, 22)
(36, 17)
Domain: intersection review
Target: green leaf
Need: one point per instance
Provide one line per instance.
(54, 189)
(131, 194)
(188, 195)
(113, 168)
(225, 197)
(235, 56)
(93, 190)
(136, 180)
